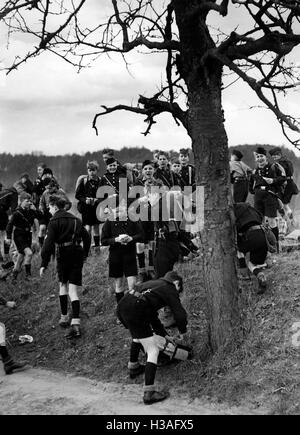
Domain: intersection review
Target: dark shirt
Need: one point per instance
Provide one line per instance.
(166, 176)
(111, 180)
(38, 190)
(112, 229)
(160, 293)
(269, 171)
(87, 188)
(246, 216)
(64, 227)
(22, 219)
(287, 166)
(187, 174)
(8, 199)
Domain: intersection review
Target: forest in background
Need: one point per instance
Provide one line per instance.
(68, 167)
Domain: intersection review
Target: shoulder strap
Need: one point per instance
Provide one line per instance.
(110, 183)
(74, 234)
(20, 213)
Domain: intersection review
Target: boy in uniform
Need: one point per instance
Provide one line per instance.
(138, 312)
(66, 232)
(147, 181)
(239, 174)
(20, 225)
(266, 184)
(251, 239)
(187, 171)
(86, 193)
(8, 204)
(121, 235)
(290, 188)
(163, 172)
(51, 188)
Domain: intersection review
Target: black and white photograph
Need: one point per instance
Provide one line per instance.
(149, 210)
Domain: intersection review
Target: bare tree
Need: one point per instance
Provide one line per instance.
(198, 58)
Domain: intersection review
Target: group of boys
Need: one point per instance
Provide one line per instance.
(273, 186)
(46, 202)
(99, 202)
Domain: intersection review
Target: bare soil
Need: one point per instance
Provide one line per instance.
(259, 375)
(44, 392)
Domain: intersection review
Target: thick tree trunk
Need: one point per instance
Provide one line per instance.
(210, 148)
(210, 145)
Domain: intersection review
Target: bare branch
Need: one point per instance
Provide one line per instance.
(152, 108)
(256, 86)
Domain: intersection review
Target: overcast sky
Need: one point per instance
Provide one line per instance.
(46, 106)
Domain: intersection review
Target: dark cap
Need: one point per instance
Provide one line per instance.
(184, 151)
(110, 161)
(261, 150)
(147, 162)
(24, 175)
(47, 171)
(173, 276)
(108, 151)
(276, 150)
(238, 154)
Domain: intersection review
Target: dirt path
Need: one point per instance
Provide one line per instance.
(41, 392)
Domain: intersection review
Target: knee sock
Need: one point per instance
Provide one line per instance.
(257, 270)
(119, 296)
(6, 248)
(150, 253)
(28, 269)
(63, 300)
(135, 351)
(141, 260)
(4, 353)
(242, 263)
(276, 232)
(150, 371)
(75, 309)
(41, 241)
(97, 240)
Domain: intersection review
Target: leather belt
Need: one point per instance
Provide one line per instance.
(62, 245)
(28, 230)
(255, 227)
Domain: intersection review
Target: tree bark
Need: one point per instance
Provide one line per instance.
(210, 146)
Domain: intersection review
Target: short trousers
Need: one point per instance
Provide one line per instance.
(266, 203)
(3, 220)
(135, 314)
(23, 240)
(255, 243)
(69, 265)
(122, 262)
(88, 215)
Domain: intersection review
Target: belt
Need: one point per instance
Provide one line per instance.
(28, 230)
(62, 245)
(261, 188)
(239, 179)
(255, 227)
(137, 294)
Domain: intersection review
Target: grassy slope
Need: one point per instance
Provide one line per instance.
(263, 371)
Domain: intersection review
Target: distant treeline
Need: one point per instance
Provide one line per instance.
(68, 167)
